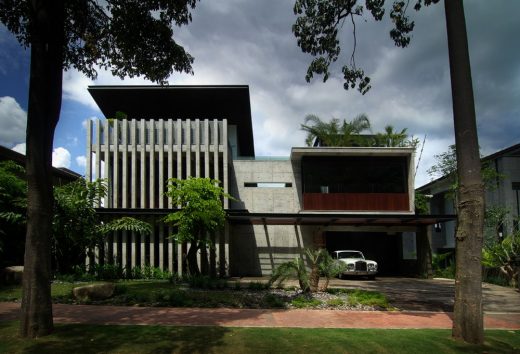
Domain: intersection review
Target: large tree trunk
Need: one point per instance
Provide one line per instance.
(43, 113)
(468, 316)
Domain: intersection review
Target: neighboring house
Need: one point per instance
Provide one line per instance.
(336, 198)
(506, 194)
(60, 176)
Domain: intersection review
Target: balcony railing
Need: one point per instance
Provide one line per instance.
(356, 201)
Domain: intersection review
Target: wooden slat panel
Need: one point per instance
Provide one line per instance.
(356, 201)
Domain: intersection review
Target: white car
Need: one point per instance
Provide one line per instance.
(356, 263)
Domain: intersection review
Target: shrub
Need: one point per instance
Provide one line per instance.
(305, 302)
(273, 301)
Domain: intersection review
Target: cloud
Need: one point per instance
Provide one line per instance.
(20, 148)
(61, 157)
(13, 121)
(81, 161)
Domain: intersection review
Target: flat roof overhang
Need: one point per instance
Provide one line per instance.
(298, 152)
(330, 219)
(181, 102)
(337, 219)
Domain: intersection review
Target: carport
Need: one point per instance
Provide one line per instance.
(378, 236)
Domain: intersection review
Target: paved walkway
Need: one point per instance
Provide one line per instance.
(126, 315)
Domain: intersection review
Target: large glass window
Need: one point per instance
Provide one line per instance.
(352, 174)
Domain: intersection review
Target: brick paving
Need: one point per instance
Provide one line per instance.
(127, 315)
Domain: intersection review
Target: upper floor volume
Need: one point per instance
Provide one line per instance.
(206, 131)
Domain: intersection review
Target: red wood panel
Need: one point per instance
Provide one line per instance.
(356, 201)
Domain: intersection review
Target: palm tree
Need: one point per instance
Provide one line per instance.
(335, 132)
(392, 138)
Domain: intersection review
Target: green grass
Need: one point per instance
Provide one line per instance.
(363, 297)
(164, 339)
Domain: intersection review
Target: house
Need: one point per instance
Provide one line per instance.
(504, 193)
(336, 198)
(60, 175)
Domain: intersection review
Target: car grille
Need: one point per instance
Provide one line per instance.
(361, 266)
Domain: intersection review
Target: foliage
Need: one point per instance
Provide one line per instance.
(13, 202)
(318, 25)
(446, 166)
(421, 203)
(201, 212)
(200, 200)
(319, 261)
(330, 268)
(335, 132)
(495, 222)
(301, 302)
(297, 268)
(505, 256)
(76, 225)
(443, 265)
(126, 223)
(130, 38)
(99, 34)
(392, 138)
(344, 133)
(75, 219)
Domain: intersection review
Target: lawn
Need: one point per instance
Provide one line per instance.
(163, 339)
(254, 295)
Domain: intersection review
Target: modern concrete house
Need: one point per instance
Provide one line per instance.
(505, 194)
(336, 198)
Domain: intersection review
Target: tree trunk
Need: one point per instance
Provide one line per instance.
(191, 258)
(45, 87)
(314, 278)
(468, 316)
(424, 253)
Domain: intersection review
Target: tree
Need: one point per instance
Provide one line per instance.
(128, 37)
(392, 138)
(316, 29)
(335, 132)
(13, 202)
(78, 229)
(201, 212)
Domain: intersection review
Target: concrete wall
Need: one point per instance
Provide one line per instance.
(257, 249)
(264, 198)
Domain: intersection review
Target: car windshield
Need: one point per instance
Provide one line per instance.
(350, 254)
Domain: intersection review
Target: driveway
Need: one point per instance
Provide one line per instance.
(410, 294)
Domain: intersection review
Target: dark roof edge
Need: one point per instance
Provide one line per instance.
(485, 158)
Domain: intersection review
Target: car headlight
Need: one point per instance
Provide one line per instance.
(372, 267)
(350, 266)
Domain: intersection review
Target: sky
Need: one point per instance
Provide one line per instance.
(247, 42)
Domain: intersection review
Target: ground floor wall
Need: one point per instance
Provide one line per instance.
(128, 250)
(256, 250)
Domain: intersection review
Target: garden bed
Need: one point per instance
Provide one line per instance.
(252, 295)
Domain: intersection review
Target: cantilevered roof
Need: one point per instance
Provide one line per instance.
(298, 152)
(336, 219)
(181, 102)
(236, 216)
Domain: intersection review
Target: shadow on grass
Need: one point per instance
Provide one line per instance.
(119, 339)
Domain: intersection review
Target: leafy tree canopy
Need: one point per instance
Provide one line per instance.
(200, 202)
(105, 34)
(319, 23)
(446, 166)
